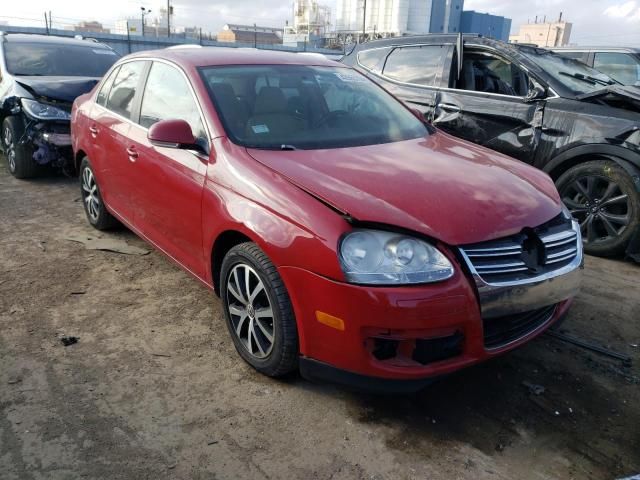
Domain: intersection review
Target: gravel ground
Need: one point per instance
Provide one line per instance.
(154, 389)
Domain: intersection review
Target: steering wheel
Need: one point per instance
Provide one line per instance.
(328, 117)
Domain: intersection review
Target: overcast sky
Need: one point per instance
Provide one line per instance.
(594, 22)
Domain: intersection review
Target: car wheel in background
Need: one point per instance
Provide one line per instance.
(601, 195)
(94, 207)
(18, 155)
(258, 311)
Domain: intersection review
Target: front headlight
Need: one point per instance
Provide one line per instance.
(386, 258)
(42, 111)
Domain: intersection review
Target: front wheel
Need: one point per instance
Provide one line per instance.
(19, 155)
(602, 197)
(258, 311)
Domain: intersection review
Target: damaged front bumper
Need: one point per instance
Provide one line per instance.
(51, 142)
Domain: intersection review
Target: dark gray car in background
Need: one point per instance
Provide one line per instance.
(620, 63)
(558, 114)
(40, 77)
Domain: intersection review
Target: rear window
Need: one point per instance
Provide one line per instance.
(51, 59)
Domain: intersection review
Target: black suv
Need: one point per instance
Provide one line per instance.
(40, 77)
(555, 113)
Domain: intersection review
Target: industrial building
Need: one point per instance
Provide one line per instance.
(250, 34)
(311, 22)
(491, 26)
(545, 34)
(399, 17)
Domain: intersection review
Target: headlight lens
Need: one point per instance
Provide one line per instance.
(42, 111)
(386, 258)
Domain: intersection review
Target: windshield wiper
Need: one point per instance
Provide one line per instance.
(588, 78)
(287, 147)
(29, 75)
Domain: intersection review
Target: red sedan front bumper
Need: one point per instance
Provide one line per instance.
(393, 333)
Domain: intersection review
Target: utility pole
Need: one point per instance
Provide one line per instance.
(128, 38)
(46, 22)
(255, 36)
(168, 18)
(143, 12)
(364, 20)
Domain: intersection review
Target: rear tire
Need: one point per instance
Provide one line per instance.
(19, 156)
(94, 207)
(602, 196)
(258, 311)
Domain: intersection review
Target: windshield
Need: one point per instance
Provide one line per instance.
(50, 59)
(573, 74)
(305, 107)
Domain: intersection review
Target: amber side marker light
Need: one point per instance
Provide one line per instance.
(330, 320)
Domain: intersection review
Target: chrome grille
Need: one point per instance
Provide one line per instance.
(505, 259)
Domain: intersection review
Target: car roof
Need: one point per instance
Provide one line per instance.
(49, 39)
(210, 56)
(597, 49)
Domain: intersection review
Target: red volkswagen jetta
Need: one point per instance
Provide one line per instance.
(345, 237)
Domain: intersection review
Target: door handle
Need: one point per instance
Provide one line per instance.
(133, 154)
(94, 131)
(449, 107)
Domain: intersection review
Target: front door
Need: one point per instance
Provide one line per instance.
(487, 105)
(168, 182)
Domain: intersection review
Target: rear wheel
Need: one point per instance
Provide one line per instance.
(602, 197)
(94, 207)
(19, 156)
(258, 311)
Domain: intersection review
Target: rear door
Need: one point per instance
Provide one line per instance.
(167, 183)
(412, 73)
(109, 130)
(487, 105)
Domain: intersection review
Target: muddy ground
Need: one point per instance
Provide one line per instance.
(154, 389)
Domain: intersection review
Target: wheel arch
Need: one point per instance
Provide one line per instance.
(224, 242)
(77, 159)
(627, 159)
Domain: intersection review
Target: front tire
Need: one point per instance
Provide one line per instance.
(258, 311)
(601, 195)
(19, 156)
(94, 207)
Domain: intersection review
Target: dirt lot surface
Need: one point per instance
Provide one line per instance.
(154, 389)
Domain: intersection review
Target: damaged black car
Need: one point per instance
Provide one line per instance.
(40, 77)
(558, 114)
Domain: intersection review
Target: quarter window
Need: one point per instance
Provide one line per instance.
(373, 59)
(619, 66)
(101, 99)
(420, 65)
(123, 91)
(168, 96)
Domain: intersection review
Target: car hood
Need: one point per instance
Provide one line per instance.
(439, 186)
(65, 89)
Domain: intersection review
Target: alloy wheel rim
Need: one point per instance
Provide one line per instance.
(90, 194)
(11, 151)
(250, 310)
(599, 205)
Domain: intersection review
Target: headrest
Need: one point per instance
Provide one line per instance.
(270, 100)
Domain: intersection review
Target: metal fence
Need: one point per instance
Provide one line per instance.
(125, 44)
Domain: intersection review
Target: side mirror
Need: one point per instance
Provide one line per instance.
(172, 133)
(536, 92)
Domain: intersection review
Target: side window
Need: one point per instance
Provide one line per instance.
(101, 98)
(120, 99)
(619, 66)
(486, 72)
(168, 96)
(420, 65)
(373, 59)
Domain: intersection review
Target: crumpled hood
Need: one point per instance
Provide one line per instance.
(440, 186)
(65, 89)
(627, 91)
